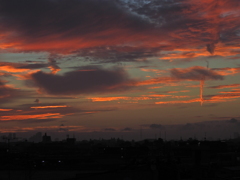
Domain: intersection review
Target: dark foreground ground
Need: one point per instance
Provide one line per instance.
(121, 160)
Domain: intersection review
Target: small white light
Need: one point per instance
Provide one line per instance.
(43, 161)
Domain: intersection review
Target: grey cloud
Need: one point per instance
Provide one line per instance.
(195, 73)
(116, 54)
(37, 101)
(211, 48)
(82, 81)
(32, 66)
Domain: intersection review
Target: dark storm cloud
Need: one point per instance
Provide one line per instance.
(195, 73)
(82, 81)
(35, 16)
(42, 24)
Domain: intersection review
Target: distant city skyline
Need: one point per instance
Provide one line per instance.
(153, 131)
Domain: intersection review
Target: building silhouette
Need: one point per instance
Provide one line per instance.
(46, 139)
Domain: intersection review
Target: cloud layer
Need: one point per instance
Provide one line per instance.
(118, 30)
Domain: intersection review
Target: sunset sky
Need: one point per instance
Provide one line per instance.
(131, 69)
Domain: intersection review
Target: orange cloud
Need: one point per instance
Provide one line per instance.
(220, 49)
(6, 109)
(183, 53)
(195, 73)
(178, 97)
(159, 95)
(96, 99)
(225, 86)
(45, 107)
(27, 75)
(224, 97)
(155, 87)
(178, 91)
(211, 100)
(12, 69)
(193, 86)
(134, 99)
(53, 69)
(91, 112)
(158, 71)
(228, 71)
(220, 98)
(230, 92)
(179, 102)
(160, 80)
(36, 116)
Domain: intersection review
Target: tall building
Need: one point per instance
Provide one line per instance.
(10, 136)
(46, 139)
(36, 138)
